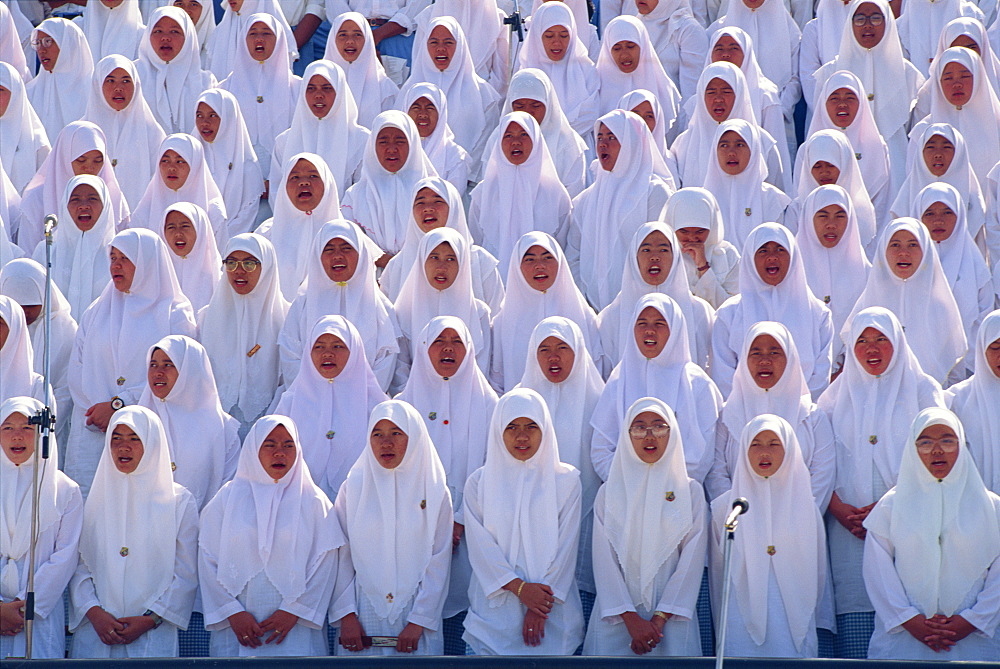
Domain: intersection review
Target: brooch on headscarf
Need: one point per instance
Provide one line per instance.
(871, 96)
(256, 347)
(748, 211)
(771, 550)
(124, 551)
(826, 299)
(670, 496)
(329, 435)
(388, 598)
(873, 440)
(173, 466)
(260, 98)
(121, 381)
(114, 162)
(857, 156)
(423, 504)
(433, 415)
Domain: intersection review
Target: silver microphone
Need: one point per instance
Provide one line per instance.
(740, 506)
(51, 223)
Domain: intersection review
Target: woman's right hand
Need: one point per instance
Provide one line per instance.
(851, 517)
(538, 598)
(645, 633)
(351, 633)
(100, 415)
(106, 625)
(11, 617)
(246, 629)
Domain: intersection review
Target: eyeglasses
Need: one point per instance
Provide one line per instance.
(948, 444)
(249, 264)
(640, 431)
(44, 42)
(875, 20)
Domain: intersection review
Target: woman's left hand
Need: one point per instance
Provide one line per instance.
(952, 629)
(533, 629)
(408, 639)
(279, 624)
(135, 627)
(457, 530)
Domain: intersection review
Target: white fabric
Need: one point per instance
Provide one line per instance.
(232, 325)
(332, 414)
(678, 37)
(23, 140)
(17, 355)
(972, 28)
(229, 36)
(133, 134)
(831, 16)
(921, 25)
(630, 101)
(172, 87)
(114, 30)
(449, 159)
(483, 19)
(373, 90)
(200, 269)
(204, 27)
(924, 303)
(57, 93)
(770, 24)
(11, 51)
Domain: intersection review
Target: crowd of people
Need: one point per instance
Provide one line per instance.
(375, 330)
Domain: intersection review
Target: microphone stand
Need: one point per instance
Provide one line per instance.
(45, 419)
(516, 24)
(727, 552)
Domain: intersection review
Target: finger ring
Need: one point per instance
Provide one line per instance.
(650, 641)
(531, 629)
(245, 637)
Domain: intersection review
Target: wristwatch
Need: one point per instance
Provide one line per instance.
(157, 619)
(117, 403)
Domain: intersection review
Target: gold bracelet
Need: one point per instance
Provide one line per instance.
(519, 588)
(661, 614)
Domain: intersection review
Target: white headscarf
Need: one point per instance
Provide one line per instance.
(921, 24)
(233, 325)
(23, 280)
(924, 303)
(404, 503)
(534, 198)
(336, 137)
(834, 147)
(199, 271)
(975, 399)
(761, 89)
(871, 415)
(192, 417)
(835, 275)
(172, 87)
(231, 160)
(782, 532)
(11, 51)
(112, 30)
(132, 516)
(520, 498)
(204, 27)
(648, 74)
(332, 413)
(381, 200)
(573, 77)
(697, 208)
(79, 259)
(57, 93)
(620, 196)
(633, 99)
(944, 531)
(292, 231)
(831, 16)
(448, 158)
(972, 28)
(481, 18)
(22, 136)
(647, 507)
(229, 36)
(133, 134)
(256, 524)
(372, 88)
(773, 25)
(17, 356)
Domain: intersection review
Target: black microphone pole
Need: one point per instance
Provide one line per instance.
(740, 506)
(516, 24)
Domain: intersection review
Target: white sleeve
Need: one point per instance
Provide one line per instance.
(428, 603)
(176, 603)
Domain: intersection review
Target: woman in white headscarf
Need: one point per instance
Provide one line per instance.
(769, 379)
(558, 368)
(79, 149)
(169, 64)
(136, 581)
(325, 122)
(139, 306)
(475, 102)
(426, 104)
(654, 265)
(520, 173)
(203, 17)
(657, 363)
(932, 555)
(522, 512)
(735, 176)
(971, 33)
(532, 91)
(581, 15)
(182, 176)
(11, 50)
(268, 551)
(554, 46)
(340, 279)
(229, 154)
(710, 262)
(490, 50)
(60, 519)
(821, 41)
(650, 541)
(263, 83)
(239, 328)
(66, 68)
(679, 40)
(779, 553)
(17, 375)
(228, 37)
(773, 287)
(973, 400)
(627, 191)
(649, 109)
(381, 200)
(24, 143)
(539, 284)
(112, 29)
(187, 232)
(871, 406)
(352, 47)
(832, 253)
(624, 68)
(202, 438)
(133, 134)
(330, 400)
(907, 278)
(452, 394)
(396, 514)
(921, 25)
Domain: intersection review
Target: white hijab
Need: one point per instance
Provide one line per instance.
(972, 28)
(835, 275)
(229, 36)
(944, 532)
(22, 135)
(192, 417)
(629, 102)
(922, 22)
(23, 280)
(133, 134)
(57, 93)
(133, 515)
(481, 18)
(697, 208)
(441, 148)
(372, 88)
(769, 24)
(199, 271)
(924, 303)
(404, 504)
(648, 508)
(762, 90)
(112, 30)
(783, 532)
(831, 16)
(233, 325)
(17, 377)
(256, 524)
(11, 51)
(172, 87)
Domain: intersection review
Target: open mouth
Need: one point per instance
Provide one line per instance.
(555, 370)
(180, 244)
(540, 277)
(831, 237)
(17, 450)
(516, 153)
(279, 466)
(718, 111)
(319, 106)
(159, 384)
(429, 219)
(446, 361)
(442, 59)
(904, 266)
(650, 448)
(556, 52)
(626, 63)
(84, 218)
(258, 47)
(654, 270)
(304, 194)
(764, 464)
(338, 267)
(440, 279)
(350, 50)
(873, 361)
(771, 270)
(124, 459)
(765, 374)
(649, 342)
(604, 157)
(166, 49)
(387, 456)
